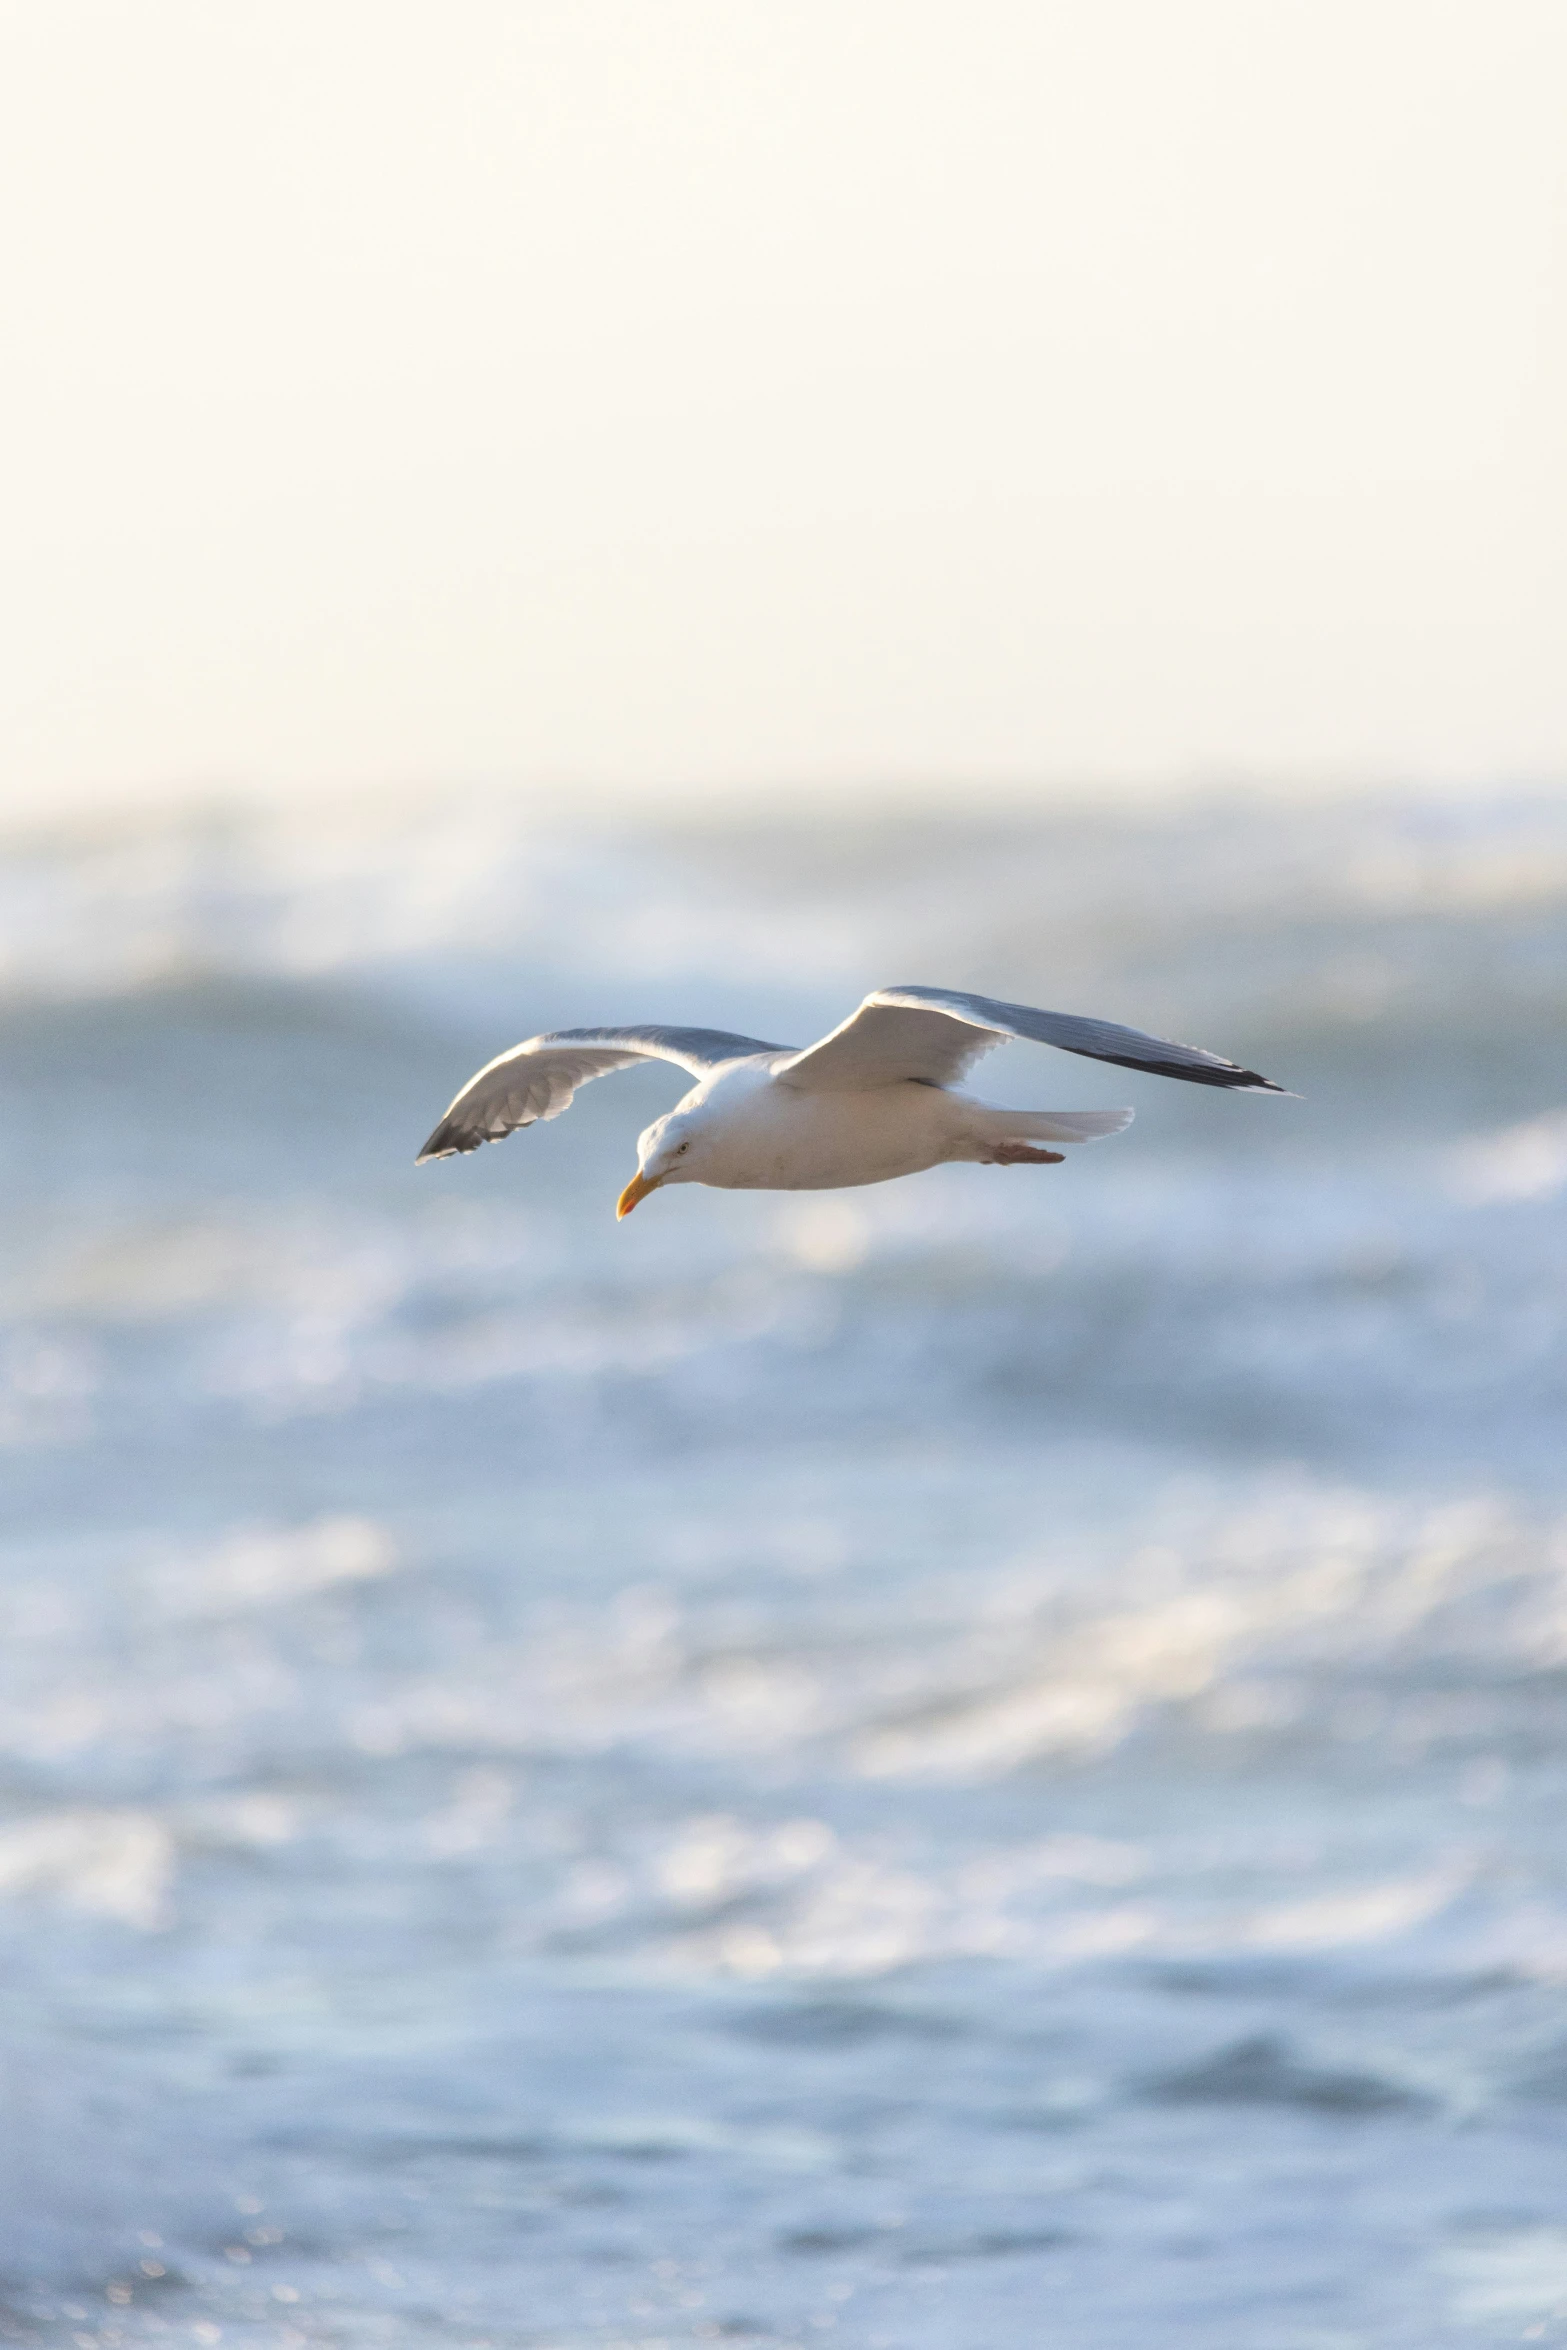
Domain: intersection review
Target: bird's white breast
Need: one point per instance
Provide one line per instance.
(764, 1136)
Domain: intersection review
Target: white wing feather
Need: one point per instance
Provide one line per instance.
(934, 1035)
(536, 1080)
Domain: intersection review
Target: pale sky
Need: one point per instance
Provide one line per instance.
(746, 395)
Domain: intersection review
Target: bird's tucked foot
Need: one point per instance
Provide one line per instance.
(1019, 1154)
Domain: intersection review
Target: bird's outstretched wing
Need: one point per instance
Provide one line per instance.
(934, 1035)
(537, 1079)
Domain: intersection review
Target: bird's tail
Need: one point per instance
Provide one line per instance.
(1049, 1125)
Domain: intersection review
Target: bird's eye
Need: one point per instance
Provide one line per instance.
(684, 1147)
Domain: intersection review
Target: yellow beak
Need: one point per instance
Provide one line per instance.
(637, 1188)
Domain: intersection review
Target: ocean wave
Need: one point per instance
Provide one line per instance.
(305, 891)
(839, 1735)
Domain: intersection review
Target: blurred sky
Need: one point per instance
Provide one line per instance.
(722, 396)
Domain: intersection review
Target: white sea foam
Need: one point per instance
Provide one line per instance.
(267, 1567)
(1523, 1162)
(117, 1863)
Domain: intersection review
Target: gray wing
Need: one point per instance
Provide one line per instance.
(934, 1035)
(537, 1079)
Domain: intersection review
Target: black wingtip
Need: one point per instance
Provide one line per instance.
(1221, 1074)
(445, 1143)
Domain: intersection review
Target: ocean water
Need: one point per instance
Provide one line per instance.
(976, 1762)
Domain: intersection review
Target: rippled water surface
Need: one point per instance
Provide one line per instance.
(969, 1763)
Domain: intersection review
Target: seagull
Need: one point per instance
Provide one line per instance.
(878, 1098)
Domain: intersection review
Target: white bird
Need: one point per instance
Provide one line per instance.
(873, 1100)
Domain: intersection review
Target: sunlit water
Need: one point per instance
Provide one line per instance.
(967, 1764)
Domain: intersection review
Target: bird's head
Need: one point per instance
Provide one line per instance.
(669, 1151)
